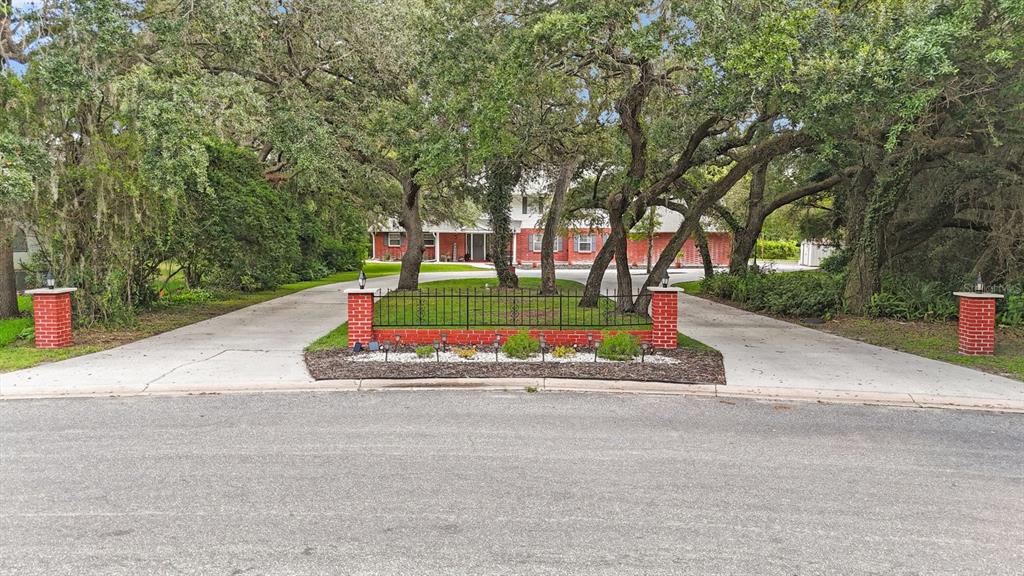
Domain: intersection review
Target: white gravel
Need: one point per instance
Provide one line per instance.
(488, 356)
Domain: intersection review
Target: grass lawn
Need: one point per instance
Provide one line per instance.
(936, 340)
(692, 287)
(16, 354)
(468, 303)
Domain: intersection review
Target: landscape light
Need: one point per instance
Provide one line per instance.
(50, 282)
(497, 345)
(444, 341)
(543, 347)
(643, 351)
(437, 350)
(362, 279)
(387, 348)
(979, 286)
(664, 280)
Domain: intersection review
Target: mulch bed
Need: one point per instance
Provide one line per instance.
(696, 367)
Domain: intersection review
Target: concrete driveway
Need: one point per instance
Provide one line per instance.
(256, 347)
(260, 347)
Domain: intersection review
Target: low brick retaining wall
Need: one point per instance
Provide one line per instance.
(664, 325)
(482, 337)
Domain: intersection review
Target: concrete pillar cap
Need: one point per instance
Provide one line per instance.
(46, 291)
(986, 295)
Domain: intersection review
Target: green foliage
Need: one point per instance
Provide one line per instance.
(1010, 312)
(239, 232)
(425, 351)
(910, 298)
(12, 329)
(186, 297)
(563, 352)
(622, 346)
(837, 262)
(777, 250)
(811, 293)
(521, 346)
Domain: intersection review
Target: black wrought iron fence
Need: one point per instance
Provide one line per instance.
(481, 307)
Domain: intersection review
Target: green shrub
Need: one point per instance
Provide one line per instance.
(837, 262)
(621, 346)
(425, 351)
(186, 296)
(777, 250)
(1010, 311)
(910, 298)
(809, 293)
(521, 346)
(563, 352)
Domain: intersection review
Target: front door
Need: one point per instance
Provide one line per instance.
(477, 247)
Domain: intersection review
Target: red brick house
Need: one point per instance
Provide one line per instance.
(448, 242)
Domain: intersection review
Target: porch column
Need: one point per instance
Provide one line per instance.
(515, 238)
(437, 246)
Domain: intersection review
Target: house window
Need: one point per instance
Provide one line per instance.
(20, 242)
(585, 243)
(394, 239)
(428, 240)
(536, 239)
(533, 205)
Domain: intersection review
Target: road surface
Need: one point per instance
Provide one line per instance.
(449, 482)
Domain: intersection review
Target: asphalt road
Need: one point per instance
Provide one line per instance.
(450, 482)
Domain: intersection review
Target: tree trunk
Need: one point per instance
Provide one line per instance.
(551, 223)
(619, 239)
(668, 255)
(409, 277)
(8, 286)
(502, 178)
(743, 243)
(705, 253)
(592, 287)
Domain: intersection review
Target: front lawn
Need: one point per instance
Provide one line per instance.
(478, 303)
(177, 309)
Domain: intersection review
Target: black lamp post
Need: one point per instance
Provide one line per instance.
(543, 347)
(437, 350)
(362, 279)
(444, 341)
(979, 286)
(664, 280)
(644, 346)
(497, 345)
(50, 282)
(387, 348)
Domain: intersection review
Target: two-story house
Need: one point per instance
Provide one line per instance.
(576, 246)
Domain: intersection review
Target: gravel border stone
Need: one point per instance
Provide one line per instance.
(691, 367)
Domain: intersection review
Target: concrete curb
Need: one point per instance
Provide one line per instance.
(824, 396)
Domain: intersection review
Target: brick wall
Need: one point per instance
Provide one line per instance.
(719, 244)
(664, 321)
(976, 329)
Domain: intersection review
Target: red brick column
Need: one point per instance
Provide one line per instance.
(360, 316)
(664, 317)
(51, 309)
(976, 329)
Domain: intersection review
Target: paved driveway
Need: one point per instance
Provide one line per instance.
(260, 347)
(256, 347)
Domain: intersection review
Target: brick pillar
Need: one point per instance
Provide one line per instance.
(664, 317)
(976, 329)
(51, 309)
(360, 316)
